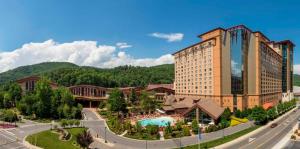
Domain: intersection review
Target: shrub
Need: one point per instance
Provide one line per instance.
(70, 122)
(63, 123)
(179, 125)
(8, 116)
(186, 131)
(238, 113)
(102, 105)
(152, 129)
(76, 123)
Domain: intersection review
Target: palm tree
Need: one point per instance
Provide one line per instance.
(84, 139)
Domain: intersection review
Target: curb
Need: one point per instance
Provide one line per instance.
(28, 145)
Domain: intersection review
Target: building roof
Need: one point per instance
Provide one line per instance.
(28, 78)
(190, 103)
(268, 105)
(209, 107)
(231, 28)
(35, 78)
(154, 86)
(91, 86)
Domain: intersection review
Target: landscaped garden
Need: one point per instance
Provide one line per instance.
(50, 139)
(116, 112)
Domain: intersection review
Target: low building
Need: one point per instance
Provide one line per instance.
(28, 84)
(160, 91)
(204, 110)
(127, 91)
(89, 95)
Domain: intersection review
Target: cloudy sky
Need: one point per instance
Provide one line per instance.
(111, 33)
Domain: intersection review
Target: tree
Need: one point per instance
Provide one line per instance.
(259, 115)
(138, 127)
(84, 139)
(43, 93)
(226, 114)
(271, 113)
(147, 103)
(195, 126)
(133, 97)
(16, 93)
(7, 100)
(116, 102)
(168, 130)
(67, 111)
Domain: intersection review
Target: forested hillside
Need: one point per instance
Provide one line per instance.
(296, 80)
(35, 69)
(117, 77)
(68, 74)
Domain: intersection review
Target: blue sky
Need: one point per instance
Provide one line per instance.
(132, 21)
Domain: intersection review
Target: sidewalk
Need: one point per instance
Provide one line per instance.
(226, 145)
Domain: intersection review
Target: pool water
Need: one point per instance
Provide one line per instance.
(160, 121)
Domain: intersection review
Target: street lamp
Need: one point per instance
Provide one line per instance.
(105, 134)
(146, 144)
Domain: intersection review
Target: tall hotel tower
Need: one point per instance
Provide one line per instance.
(236, 68)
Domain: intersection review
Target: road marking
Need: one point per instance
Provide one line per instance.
(271, 137)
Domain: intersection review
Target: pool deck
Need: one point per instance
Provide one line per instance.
(137, 118)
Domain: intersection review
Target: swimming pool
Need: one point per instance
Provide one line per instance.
(160, 121)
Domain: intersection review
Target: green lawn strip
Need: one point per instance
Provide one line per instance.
(142, 136)
(50, 140)
(220, 141)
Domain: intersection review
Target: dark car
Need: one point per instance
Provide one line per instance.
(273, 125)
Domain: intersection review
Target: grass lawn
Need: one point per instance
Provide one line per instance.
(220, 141)
(50, 140)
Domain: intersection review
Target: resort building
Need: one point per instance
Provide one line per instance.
(203, 110)
(89, 95)
(160, 91)
(28, 84)
(236, 68)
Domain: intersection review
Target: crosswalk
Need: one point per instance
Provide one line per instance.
(9, 141)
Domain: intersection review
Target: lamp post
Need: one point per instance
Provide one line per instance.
(146, 145)
(105, 134)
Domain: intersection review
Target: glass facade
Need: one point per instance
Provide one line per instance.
(284, 68)
(291, 65)
(238, 44)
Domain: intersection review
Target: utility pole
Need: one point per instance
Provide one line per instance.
(146, 145)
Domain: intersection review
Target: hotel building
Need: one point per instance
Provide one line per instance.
(236, 68)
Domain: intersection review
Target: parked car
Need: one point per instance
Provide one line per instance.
(273, 125)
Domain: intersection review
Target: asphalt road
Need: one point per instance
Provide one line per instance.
(267, 138)
(12, 138)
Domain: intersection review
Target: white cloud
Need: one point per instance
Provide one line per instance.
(171, 37)
(123, 45)
(297, 69)
(83, 53)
